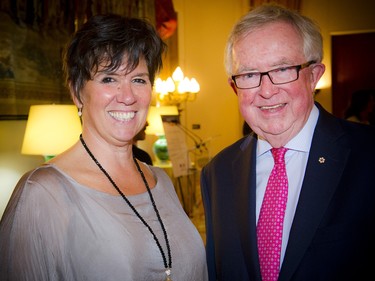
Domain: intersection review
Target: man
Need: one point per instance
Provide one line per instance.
(274, 62)
(139, 153)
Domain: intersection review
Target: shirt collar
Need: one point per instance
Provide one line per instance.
(299, 142)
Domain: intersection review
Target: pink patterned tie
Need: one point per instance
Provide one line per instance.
(271, 218)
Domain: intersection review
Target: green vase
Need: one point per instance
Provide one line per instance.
(160, 148)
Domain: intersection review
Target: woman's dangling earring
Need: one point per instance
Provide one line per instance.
(80, 111)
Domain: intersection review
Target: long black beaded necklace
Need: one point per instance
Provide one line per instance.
(167, 266)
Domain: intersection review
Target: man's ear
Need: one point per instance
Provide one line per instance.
(317, 72)
(231, 83)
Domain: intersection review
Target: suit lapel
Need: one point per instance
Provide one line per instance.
(243, 166)
(325, 166)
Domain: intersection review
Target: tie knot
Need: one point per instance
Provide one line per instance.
(278, 154)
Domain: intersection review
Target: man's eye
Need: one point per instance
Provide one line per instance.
(283, 69)
(250, 75)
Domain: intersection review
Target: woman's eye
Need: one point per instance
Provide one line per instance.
(140, 81)
(107, 80)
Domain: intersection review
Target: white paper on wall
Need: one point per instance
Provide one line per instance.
(177, 147)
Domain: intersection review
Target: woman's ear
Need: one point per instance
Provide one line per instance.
(231, 83)
(75, 99)
(77, 102)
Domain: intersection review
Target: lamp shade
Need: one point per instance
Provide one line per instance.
(51, 129)
(155, 123)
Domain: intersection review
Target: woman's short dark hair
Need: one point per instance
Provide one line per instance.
(105, 40)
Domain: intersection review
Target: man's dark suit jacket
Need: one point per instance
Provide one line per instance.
(141, 155)
(333, 231)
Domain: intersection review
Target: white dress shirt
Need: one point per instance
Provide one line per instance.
(296, 161)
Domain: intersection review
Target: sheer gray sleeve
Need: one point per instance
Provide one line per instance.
(28, 235)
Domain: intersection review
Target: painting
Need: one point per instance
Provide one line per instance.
(32, 38)
(30, 68)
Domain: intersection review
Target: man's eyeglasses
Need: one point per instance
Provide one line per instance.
(277, 76)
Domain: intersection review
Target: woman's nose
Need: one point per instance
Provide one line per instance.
(125, 93)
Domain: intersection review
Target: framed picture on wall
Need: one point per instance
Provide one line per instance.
(33, 36)
(30, 68)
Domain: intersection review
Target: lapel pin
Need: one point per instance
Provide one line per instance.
(322, 160)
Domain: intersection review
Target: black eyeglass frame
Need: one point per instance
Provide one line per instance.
(298, 67)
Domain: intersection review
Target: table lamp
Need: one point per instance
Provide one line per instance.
(155, 127)
(51, 129)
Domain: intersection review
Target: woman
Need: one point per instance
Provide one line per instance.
(95, 212)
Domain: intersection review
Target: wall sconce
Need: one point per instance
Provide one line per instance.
(51, 129)
(155, 127)
(176, 89)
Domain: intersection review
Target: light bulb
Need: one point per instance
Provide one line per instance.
(178, 75)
